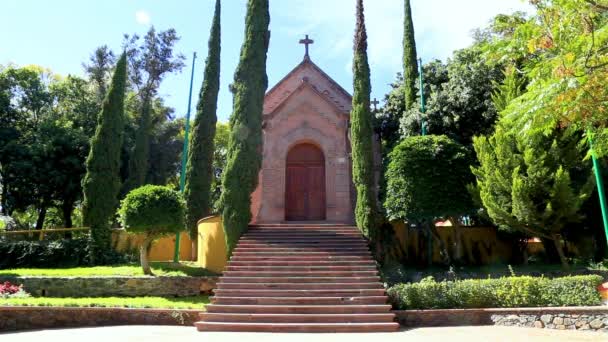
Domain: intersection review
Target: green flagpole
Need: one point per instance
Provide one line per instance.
(422, 103)
(182, 178)
(600, 184)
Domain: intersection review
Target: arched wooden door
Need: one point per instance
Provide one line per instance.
(305, 184)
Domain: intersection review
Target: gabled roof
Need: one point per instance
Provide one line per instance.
(334, 92)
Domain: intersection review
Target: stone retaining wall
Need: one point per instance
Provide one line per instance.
(114, 286)
(574, 318)
(26, 318)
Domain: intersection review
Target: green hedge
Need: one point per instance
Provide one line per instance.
(505, 292)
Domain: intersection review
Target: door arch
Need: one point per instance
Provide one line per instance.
(305, 184)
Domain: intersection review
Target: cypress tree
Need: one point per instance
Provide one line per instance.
(138, 163)
(199, 171)
(410, 59)
(244, 157)
(362, 131)
(102, 181)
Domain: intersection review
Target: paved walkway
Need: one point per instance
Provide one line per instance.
(185, 334)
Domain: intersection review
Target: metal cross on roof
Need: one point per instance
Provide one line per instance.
(375, 102)
(306, 42)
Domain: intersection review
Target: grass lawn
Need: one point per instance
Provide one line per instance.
(197, 302)
(159, 269)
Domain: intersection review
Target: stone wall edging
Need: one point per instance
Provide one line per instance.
(574, 318)
(123, 286)
(13, 318)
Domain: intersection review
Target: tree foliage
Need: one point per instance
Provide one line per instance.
(154, 211)
(366, 209)
(150, 62)
(199, 171)
(410, 59)
(533, 183)
(427, 178)
(244, 158)
(102, 181)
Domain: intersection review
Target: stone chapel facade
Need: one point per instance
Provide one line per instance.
(306, 170)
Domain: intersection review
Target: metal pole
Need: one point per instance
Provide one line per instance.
(422, 103)
(600, 184)
(182, 178)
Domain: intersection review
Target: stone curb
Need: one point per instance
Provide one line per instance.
(572, 318)
(25, 318)
(114, 286)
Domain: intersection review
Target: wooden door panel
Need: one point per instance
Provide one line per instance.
(305, 184)
(316, 195)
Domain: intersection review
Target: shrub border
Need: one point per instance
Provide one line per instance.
(13, 318)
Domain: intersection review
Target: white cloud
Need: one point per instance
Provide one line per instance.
(142, 17)
(441, 26)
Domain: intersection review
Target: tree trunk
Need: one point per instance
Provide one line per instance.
(457, 240)
(442, 247)
(560, 250)
(67, 207)
(143, 254)
(41, 217)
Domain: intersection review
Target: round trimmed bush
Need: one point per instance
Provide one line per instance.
(154, 211)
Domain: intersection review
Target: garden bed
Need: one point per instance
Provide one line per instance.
(159, 269)
(194, 302)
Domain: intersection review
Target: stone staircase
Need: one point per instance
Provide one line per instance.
(300, 278)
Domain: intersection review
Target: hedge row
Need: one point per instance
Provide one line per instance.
(505, 292)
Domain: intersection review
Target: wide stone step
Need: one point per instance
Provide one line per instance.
(299, 309)
(360, 250)
(300, 273)
(299, 280)
(302, 254)
(302, 258)
(298, 293)
(300, 286)
(300, 268)
(297, 318)
(292, 225)
(304, 234)
(298, 327)
(374, 300)
(301, 263)
(308, 239)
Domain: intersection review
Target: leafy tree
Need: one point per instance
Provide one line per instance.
(154, 211)
(531, 182)
(410, 59)
(459, 105)
(101, 64)
(102, 182)
(222, 137)
(366, 209)
(562, 51)
(426, 181)
(244, 158)
(199, 173)
(150, 62)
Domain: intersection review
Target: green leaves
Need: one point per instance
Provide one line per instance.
(427, 178)
(152, 209)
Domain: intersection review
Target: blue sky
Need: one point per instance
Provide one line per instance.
(61, 34)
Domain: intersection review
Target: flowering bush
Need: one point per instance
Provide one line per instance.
(8, 290)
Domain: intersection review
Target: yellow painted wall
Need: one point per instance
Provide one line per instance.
(480, 245)
(162, 249)
(212, 244)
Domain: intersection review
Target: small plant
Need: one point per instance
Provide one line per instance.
(154, 211)
(8, 290)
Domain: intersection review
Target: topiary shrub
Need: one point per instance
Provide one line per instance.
(508, 292)
(154, 211)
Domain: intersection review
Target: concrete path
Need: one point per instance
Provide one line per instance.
(186, 334)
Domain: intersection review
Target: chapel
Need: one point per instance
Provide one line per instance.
(306, 170)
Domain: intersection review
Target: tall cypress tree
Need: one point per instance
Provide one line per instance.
(102, 181)
(362, 132)
(244, 157)
(410, 59)
(199, 172)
